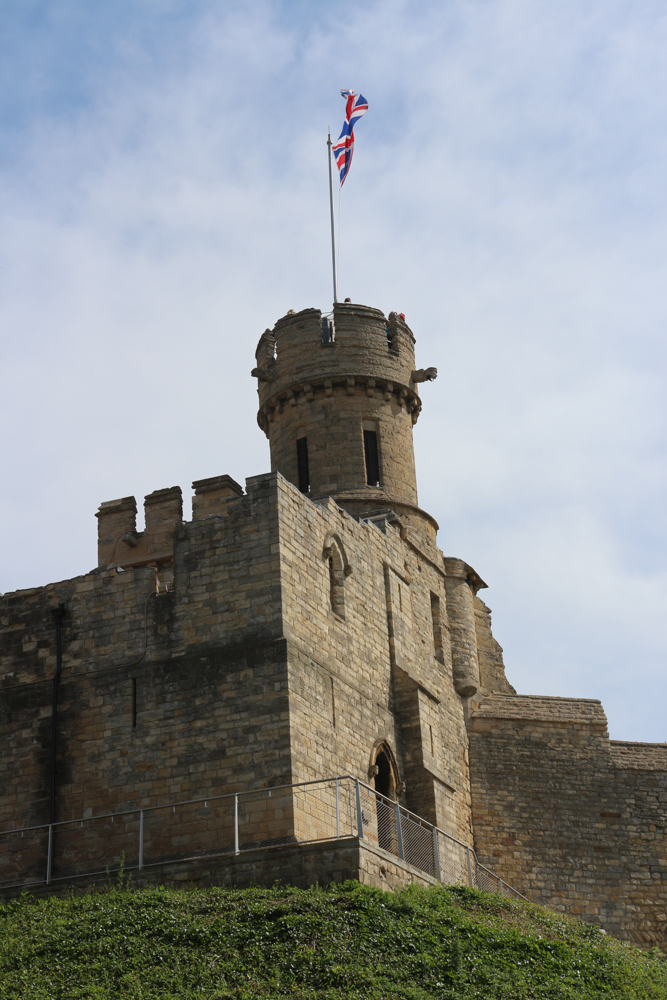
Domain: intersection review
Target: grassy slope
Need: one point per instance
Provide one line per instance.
(348, 941)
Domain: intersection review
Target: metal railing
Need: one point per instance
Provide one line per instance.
(219, 825)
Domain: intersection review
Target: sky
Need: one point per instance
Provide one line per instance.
(164, 199)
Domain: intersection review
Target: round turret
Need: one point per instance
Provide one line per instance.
(338, 399)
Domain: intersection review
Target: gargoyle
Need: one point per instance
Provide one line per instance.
(263, 375)
(425, 375)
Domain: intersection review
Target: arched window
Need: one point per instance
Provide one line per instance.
(336, 582)
(338, 569)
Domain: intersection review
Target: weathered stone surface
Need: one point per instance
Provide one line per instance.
(302, 865)
(571, 819)
(282, 636)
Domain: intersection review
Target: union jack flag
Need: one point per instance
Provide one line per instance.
(355, 107)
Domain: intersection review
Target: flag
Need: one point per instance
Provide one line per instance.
(355, 107)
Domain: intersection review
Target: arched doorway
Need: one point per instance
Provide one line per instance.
(385, 781)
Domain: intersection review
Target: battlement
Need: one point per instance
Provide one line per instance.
(306, 628)
(356, 349)
(338, 399)
(121, 545)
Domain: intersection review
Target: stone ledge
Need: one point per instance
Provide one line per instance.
(639, 756)
(541, 708)
(301, 865)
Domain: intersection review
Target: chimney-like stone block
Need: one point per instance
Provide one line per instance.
(460, 584)
(212, 495)
(163, 505)
(115, 518)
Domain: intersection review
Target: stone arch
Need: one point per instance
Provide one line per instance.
(383, 770)
(332, 540)
(339, 568)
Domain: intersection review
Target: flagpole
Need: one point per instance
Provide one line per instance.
(333, 231)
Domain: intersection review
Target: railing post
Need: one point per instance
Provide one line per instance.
(399, 833)
(436, 854)
(360, 818)
(469, 864)
(236, 824)
(500, 886)
(337, 813)
(49, 855)
(141, 839)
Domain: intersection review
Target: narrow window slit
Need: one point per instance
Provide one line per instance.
(133, 710)
(437, 626)
(302, 464)
(372, 457)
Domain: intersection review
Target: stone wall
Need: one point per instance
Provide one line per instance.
(241, 675)
(373, 674)
(570, 819)
(162, 696)
(294, 864)
(280, 637)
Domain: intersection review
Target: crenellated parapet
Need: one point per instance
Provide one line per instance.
(338, 398)
(358, 351)
(121, 545)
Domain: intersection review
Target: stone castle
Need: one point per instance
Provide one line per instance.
(309, 627)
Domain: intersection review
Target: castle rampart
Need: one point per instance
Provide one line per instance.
(579, 819)
(310, 627)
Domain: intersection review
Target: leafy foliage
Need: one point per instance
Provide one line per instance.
(345, 941)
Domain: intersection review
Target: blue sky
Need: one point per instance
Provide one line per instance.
(163, 192)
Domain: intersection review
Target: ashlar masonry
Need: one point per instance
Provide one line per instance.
(309, 626)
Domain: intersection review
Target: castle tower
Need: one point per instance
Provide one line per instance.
(338, 400)
(309, 671)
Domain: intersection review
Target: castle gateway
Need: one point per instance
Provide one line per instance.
(298, 684)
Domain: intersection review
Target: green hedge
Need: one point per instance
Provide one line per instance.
(346, 941)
